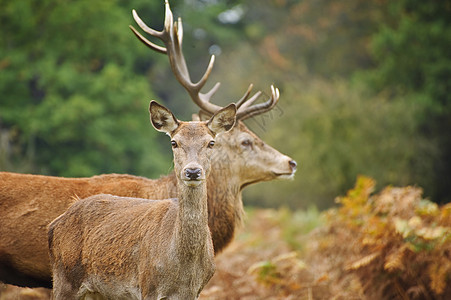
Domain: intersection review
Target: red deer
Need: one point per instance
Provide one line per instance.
(28, 203)
(133, 248)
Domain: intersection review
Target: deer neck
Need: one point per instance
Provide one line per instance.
(225, 207)
(192, 222)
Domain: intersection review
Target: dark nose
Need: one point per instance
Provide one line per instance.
(293, 164)
(193, 174)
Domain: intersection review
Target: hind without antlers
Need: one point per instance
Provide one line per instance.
(130, 248)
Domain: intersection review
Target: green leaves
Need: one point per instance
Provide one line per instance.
(70, 92)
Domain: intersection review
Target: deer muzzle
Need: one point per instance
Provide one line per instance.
(192, 175)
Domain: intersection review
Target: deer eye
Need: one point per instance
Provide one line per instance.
(174, 144)
(211, 144)
(246, 143)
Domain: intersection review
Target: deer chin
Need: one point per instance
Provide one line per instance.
(270, 176)
(192, 182)
(284, 175)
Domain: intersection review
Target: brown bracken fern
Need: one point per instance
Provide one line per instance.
(396, 243)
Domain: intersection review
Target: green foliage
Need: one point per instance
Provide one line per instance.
(412, 59)
(295, 225)
(277, 273)
(364, 90)
(266, 272)
(71, 102)
(335, 132)
(412, 50)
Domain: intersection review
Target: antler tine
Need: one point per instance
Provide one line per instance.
(144, 26)
(180, 30)
(250, 101)
(168, 18)
(207, 96)
(245, 96)
(200, 84)
(147, 42)
(247, 111)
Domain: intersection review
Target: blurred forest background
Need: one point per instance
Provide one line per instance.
(365, 88)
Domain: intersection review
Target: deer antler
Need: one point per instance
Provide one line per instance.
(172, 36)
(244, 108)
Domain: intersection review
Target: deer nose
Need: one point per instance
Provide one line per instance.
(193, 173)
(293, 165)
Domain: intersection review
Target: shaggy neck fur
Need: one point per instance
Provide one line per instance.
(191, 226)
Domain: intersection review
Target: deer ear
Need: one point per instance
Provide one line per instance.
(162, 118)
(223, 120)
(203, 116)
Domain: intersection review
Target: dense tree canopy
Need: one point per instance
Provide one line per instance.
(413, 59)
(73, 103)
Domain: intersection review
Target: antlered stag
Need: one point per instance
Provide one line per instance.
(28, 203)
(132, 248)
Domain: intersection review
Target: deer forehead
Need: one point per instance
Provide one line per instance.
(239, 133)
(192, 131)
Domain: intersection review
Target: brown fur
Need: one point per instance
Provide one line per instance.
(28, 203)
(132, 248)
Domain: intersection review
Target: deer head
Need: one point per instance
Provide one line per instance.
(251, 158)
(191, 141)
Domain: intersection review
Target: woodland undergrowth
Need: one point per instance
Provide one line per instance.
(397, 244)
(390, 245)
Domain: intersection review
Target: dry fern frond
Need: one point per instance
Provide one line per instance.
(438, 275)
(364, 261)
(355, 202)
(394, 261)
